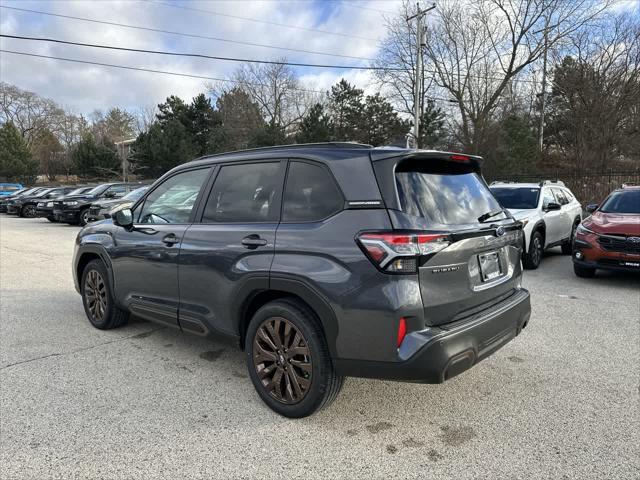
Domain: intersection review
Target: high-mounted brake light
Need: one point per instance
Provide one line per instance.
(399, 252)
(459, 158)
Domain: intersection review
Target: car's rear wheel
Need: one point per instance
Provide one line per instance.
(583, 272)
(531, 259)
(567, 247)
(288, 359)
(97, 298)
(52, 219)
(83, 217)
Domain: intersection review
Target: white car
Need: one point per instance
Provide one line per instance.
(549, 211)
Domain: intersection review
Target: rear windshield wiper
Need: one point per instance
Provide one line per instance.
(488, 215)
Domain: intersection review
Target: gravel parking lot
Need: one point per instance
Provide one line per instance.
(561, 401)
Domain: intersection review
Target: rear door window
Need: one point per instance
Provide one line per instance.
(444, 198)
(562, 199)
(311, 194)
(245, 193)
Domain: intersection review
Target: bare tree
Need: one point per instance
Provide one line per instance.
(31, 114)
(595, 96)
(476, 49)
(275, 88)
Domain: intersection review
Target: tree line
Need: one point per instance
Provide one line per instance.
(481, 93)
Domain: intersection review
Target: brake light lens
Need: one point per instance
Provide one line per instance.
(459, 158)
(399, 252)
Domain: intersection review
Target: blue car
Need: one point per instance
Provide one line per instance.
(7, 189)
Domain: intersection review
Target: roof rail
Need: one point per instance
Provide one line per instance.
(294, 146)
(629, 184)
(501, 182)
(559, 183)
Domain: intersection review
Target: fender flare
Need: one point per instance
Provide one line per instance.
(101, 252)
(283, 286)
(539, 225)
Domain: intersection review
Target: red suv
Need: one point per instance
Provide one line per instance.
(610, 237)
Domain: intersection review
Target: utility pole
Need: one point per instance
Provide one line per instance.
(417, 100)
(544, 84)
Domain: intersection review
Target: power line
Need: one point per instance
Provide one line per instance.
(183, 34)
(196, 55)
(149, 70)
(255, 20)
(177, 74)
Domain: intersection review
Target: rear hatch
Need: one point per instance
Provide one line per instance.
(476, 261)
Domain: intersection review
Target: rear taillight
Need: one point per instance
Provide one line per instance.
(397, 252)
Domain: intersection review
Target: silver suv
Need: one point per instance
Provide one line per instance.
(549, 212)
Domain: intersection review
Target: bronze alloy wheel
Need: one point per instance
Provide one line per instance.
(95, 293)
(282, 360)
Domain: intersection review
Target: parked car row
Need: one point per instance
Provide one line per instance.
(608, 239)
(70, 204)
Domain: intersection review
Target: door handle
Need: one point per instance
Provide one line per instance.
(253, 241)
(170, 239)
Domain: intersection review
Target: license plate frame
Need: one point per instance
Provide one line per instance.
(490, 266)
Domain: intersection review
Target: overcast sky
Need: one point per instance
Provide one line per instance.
(84, 88)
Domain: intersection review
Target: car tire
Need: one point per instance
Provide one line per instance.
(531, 259)
(300, 382)
(583, 272)
(567, 246)
(52, 219)
(97, 298)
(83, 217)
(28, 211)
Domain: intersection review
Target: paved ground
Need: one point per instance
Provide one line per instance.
(561, 401)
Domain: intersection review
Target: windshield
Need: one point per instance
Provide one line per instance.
(622, 202)
(135, 194)
(42, 193)
(444, 198)
(80, 190)
(97, 190)
(517, 198)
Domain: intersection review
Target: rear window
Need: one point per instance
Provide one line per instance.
(622, 202)
(310, 194)
(524, 198)
(445, 198)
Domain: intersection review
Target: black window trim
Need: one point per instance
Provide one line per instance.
(333, 179)
(162, 180)
(277, 199)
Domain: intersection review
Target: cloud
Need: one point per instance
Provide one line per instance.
(84, 88)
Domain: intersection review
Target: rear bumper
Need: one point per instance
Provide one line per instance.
(436, 354)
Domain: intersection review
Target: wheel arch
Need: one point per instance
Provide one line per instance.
(88, 254)
(541, 227)
(295, 290)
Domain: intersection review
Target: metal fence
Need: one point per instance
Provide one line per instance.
(590, 187)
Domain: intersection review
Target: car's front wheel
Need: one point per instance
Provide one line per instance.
(567, 246)
(531, 259)
(97, 298)
(288, 359)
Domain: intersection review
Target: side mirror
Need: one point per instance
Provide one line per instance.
(551, 206)
(123, 217)
(592, 207)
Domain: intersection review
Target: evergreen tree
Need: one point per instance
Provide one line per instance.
(431, 126)
(380, 124)
(315, 126)
(16, 163)
(241, 121)
(201, 121)
(95, 159)
(346, 109)
(165, 145)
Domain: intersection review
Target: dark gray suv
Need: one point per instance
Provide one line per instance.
(320, 262)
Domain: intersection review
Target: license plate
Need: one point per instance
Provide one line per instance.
(625, 263)
(489, 266)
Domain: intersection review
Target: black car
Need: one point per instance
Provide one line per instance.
(5, 200)
(15, 205)
(25, 206)
(102, 209)
(320, 262)
(44, 208)
(74, 209)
